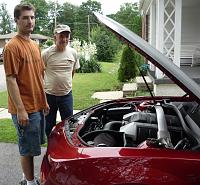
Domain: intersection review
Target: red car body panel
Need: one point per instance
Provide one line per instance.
(66, 164)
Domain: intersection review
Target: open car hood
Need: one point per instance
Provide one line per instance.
(153, 55)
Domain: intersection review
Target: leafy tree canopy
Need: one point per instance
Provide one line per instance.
(129, 16)
(6, 25)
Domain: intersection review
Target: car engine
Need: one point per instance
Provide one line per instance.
(165, 124)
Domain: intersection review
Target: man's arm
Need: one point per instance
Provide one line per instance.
(73, 72)
(76, 64)
(13, 90)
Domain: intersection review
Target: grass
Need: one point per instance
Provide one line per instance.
(85, 84)
(142, 93)
(7, 131)
(4, 99)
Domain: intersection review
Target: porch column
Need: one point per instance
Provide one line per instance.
(177, 37)
(159, 31)
(152, 31)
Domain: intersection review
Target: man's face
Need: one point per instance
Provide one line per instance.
(62, 39)
(26, 22)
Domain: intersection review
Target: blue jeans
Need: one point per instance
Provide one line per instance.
(30, 137)
(62, 103)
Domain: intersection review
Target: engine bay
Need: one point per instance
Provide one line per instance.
(164, 124)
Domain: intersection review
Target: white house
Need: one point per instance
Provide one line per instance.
(173, 27)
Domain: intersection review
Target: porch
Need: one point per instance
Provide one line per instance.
(172, 27)
(166, 87)
(192, 72)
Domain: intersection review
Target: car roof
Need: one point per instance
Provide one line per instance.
(153, 55)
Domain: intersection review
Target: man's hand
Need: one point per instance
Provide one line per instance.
(22, 117)
(46, 110)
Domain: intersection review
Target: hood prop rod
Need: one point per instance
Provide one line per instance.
(141, 73)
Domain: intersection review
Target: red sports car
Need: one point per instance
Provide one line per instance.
(133, 141)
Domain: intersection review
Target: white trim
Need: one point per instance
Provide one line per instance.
(159, 31)
(150, 4)
(144, 6)
(152, 30)
(177, 39)
(160, 25)
(169, 28)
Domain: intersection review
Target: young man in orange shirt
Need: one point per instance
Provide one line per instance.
(27, 103)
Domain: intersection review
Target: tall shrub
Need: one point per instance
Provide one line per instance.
(128, 66)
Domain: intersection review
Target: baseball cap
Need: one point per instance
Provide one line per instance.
(61, 28)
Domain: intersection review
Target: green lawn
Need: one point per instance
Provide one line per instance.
(4, 99)
(85, 84)
(7, 131)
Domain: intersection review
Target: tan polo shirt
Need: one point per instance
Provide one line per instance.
(59, 67)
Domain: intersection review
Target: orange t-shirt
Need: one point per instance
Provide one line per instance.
(22, 58)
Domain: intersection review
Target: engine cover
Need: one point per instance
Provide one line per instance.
(140, 126)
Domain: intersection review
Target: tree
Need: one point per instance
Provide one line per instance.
(130, 17)
(105, 43)
(128, 65)
(6, 25)
(85, 19)
(67, 15)
(54, 10)
(76, 17)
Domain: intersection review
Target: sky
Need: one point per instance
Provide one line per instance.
(107, 6)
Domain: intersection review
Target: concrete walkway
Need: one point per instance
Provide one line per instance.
(10, 168)
(109, 95)
(4, 114)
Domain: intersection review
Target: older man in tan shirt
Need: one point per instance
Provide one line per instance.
(61, 61)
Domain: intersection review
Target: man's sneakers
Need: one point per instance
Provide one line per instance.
(24, 182)
(37, 181)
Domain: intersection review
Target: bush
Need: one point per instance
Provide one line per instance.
(128, 65)
(47, 44)
(106, 45)
(89, 66)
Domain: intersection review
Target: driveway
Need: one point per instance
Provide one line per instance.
(10, 168)
(2, 78)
